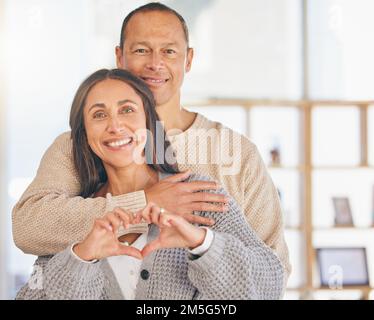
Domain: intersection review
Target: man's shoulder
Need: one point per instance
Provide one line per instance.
(62, 143)
(63, 137)
(223, 132)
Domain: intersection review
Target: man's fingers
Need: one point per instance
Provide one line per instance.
(178, 177)
(210, 207)
(195, 186)
(207, 197)
(194, 219)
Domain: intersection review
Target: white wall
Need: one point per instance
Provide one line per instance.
(341, 49)
(246, 49)
(3, 198)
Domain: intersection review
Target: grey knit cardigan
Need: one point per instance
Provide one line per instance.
(238, 265)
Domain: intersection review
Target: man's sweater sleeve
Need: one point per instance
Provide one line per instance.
(262, 207)
(238, 264)
(50, 215)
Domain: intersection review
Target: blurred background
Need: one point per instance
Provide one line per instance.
(295, 76)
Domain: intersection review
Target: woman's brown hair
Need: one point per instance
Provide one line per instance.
(89, 166)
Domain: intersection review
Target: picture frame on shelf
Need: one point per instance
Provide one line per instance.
(343, 212)
(342, 267)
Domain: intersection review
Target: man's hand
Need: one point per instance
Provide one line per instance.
(175, 231)
(183, 198)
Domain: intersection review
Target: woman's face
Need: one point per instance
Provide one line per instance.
(115, 123)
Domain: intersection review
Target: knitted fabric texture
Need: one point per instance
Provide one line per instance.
(49, 216)
(238, 265)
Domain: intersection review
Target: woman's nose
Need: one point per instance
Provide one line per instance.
(115, 125)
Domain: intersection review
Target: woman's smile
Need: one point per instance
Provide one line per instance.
(119, 144)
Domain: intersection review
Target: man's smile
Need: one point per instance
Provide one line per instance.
(155, 81)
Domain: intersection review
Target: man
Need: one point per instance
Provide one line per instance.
(154, 46)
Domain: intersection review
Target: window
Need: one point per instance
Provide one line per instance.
(340, 53)
(336, 139)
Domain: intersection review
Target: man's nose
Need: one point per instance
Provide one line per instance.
(156, 62)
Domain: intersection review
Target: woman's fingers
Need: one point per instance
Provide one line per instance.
(146, 212)
(150, 247)
(129, 251)
(114, 220)
(126, 217)
(165, 220)
(138, 217)
(177, 222)
(155, 214)
(103, 224)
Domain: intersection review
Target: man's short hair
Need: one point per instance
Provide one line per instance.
(149, 7)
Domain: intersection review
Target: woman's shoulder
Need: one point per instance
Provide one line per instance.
(201, 177)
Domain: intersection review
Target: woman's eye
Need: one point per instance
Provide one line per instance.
(126, 110)
(99, 115)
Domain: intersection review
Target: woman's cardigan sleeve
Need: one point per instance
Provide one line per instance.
(238, 264)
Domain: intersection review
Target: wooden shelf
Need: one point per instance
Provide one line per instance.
(273, 103)
(343, 228)
(346, 288)
(301, 228)
(342, 167)
(306, 170)
(282, 167)
(296, 289)
(290, 228)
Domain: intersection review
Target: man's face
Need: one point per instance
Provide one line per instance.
(155, 50)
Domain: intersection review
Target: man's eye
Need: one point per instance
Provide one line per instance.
(170, 51)
(99, 115)
(141, 51)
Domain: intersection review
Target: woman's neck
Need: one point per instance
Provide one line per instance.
(130, 179)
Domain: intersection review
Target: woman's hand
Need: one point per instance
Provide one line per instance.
(175, 231)
(102, 241)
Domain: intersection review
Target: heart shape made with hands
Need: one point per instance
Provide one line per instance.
(103, 241)
(175, 231)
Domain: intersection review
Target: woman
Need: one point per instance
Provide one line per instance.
(113, 121)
